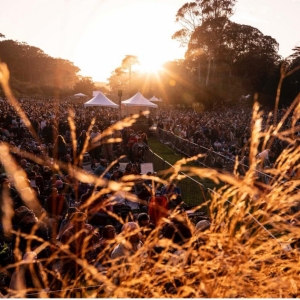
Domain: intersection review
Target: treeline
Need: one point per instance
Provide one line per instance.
(224, 60)
(33, 72)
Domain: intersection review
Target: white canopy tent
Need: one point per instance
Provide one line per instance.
(138, 100)
(101, 100)
(154, 99)
(95, 93)
(80, 95)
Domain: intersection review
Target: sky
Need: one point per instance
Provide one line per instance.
(97, 34)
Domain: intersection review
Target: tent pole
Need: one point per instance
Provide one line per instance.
(120, 96)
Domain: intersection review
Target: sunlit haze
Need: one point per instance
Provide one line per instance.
(97, 34)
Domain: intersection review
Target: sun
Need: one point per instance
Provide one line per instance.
(149, 65)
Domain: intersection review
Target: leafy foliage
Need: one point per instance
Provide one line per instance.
(85, 85)
(30, 65)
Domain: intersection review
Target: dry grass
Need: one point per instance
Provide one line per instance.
(242, 254)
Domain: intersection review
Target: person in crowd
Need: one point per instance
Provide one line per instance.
(145, 224)
(25, 166)
(127, 170)
(158, 209)
(264, 158)
(47, 133)
(202, 225)
(135, 170)
(130, 245)
(68, 138)
(27, 223)
(205, 131)
(116, 175)
(29, 280)
(82, 141)
(60, 147)
(99, 171)
(46, 173)
(5, 185)
(85, 196)
(108, 234)
(38, 178)
(117, 134)
(82, 240)
(131, 141)
(56, 204)
(138, 150)
(66, 223)
(106, 245)
(173, 193)
(178, 229)
(95, 145)
(144, 138)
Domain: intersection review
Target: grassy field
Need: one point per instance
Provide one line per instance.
(163, 151)
(171, 157)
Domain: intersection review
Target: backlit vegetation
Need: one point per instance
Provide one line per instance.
(245, 252)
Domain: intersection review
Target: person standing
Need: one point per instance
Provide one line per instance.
(60, 148)
(95, 146)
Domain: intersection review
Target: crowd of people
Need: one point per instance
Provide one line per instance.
(224, 134)
(101, 225)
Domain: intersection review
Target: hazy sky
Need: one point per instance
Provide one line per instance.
(97, 34)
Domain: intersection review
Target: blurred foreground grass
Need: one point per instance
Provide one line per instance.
(251, 248)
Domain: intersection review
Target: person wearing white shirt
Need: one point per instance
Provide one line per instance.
(264, 154)
(43, 124)
(263, 158)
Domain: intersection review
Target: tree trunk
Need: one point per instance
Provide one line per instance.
(208, 70)
(199, 70)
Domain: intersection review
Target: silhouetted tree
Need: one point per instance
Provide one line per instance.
(85, 85)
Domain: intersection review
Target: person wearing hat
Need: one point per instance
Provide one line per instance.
(27, 223)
